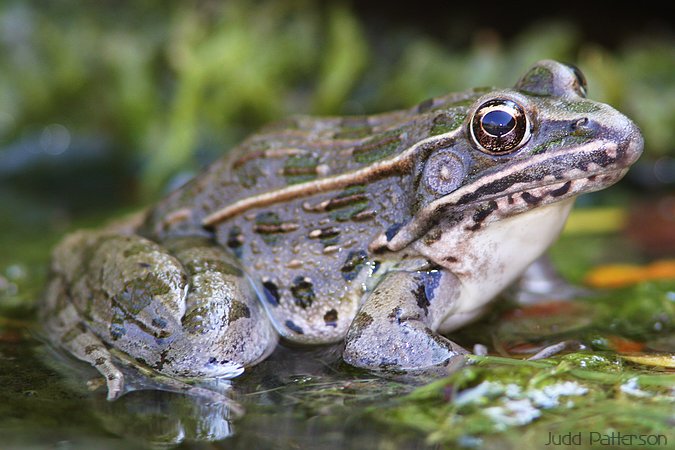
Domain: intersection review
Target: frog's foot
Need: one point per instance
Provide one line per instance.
(63, 325)
(391, 330)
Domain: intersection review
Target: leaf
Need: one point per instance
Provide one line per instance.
(666, 360)
(620, 275)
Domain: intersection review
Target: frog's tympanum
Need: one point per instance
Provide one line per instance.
(382, 232)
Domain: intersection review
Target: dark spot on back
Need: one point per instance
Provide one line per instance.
(269, 226)
(330, 318)
(348, 203)
(395, 314)
(303, 291)
(300, 168)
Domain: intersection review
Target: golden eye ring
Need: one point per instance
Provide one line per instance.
(499, 127)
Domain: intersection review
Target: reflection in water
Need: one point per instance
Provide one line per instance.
(297, 398)
(161, 419)
(155, 410)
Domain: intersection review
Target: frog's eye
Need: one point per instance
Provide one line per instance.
(499, 126)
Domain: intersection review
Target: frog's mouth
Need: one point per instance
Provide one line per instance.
(532, 182)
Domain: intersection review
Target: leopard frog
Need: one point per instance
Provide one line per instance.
(382, 232)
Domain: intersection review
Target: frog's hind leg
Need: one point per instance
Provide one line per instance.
(225, 326)
(63, 324)
(183, 308)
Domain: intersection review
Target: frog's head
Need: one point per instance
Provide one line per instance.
(522, 148)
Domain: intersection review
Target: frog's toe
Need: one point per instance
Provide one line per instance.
(63, 324)
(114, 380)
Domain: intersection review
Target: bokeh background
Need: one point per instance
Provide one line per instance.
(106, 106)
(113, 102)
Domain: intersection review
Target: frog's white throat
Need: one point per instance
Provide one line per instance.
(488, 259)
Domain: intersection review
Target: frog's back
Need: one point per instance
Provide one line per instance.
(303, 149)
(299, 202)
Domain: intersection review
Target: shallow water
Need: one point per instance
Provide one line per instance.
(298, 398)
(308, 398)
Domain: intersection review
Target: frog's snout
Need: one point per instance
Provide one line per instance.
(619, 129)
(632, 141)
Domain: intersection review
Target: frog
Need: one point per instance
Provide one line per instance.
(380, 233)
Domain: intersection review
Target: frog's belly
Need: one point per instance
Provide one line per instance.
(494, 256)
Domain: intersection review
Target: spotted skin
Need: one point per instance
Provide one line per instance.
(382, 231)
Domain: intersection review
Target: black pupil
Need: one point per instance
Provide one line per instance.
(498, 123)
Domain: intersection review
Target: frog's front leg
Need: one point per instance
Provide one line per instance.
(184, 309)
(396, 325)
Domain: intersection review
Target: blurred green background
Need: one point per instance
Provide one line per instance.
(112, 103)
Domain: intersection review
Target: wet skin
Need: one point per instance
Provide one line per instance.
(381, 231)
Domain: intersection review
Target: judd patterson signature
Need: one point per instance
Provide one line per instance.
(611, 439)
